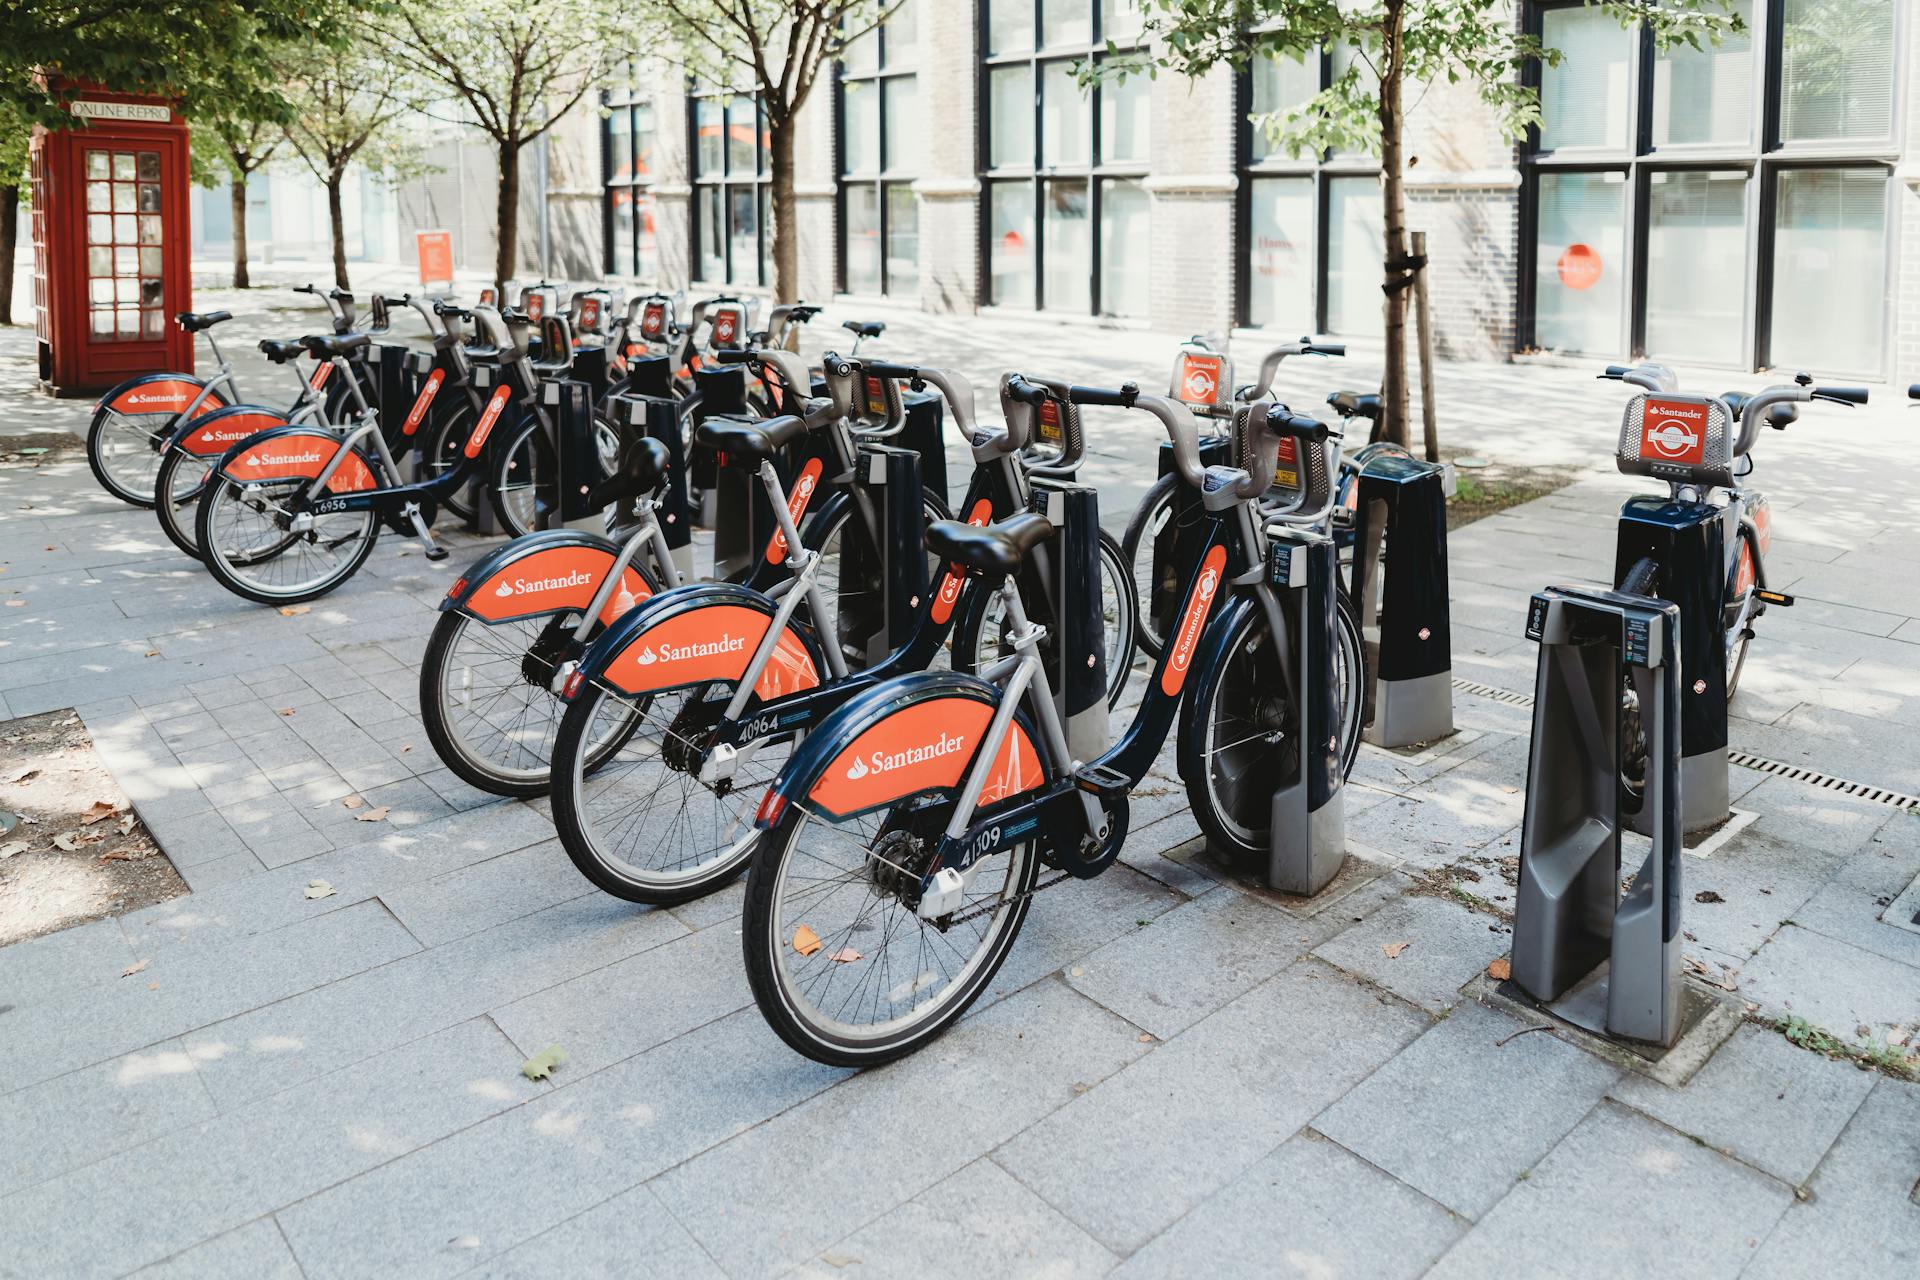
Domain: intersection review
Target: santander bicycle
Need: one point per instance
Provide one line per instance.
(901, 845)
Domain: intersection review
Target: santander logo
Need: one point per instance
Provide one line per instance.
(282, 459)
(649, 655)
(527, 586)
(1200, 382)
(1194, 620)
(887, 761)
(1673, 431)
(173, 401)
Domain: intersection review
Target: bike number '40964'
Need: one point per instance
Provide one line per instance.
(490, 415)
(1193, 620)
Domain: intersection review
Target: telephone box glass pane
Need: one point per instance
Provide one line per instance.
(149, 166)
(99, 164)
(149, 229)
(99, 262)
(123, 166)
(99, 196)
(122, 198)
(123, 225)
(150, 262)
(129, 323)
(149, 197)
(100, 290)
(125, 262)
(151, 325)
(152, 292)
(100, 228)
(103, 322)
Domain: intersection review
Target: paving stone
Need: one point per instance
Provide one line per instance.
(1271, 1060)
(1862, 1218)
(1627, 1196)
(1448, 945)
(980, 1221)
(56, 963)
(1831, 984)
(180, 993)
(991, 1076)
(208, 875)
(483, 894)
(1168, 974)
(1460, 818)
(518, 1174)
(631, 1235)
(60, 1124)
(1760, 881)
(1760, 1099)
(253, 1252)
(1468, 1107)
(1068, 922)
(316, 1031)
(147, 1204)
(1851, 906)
(1312, 1210)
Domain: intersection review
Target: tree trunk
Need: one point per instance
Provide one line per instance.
(337, 220)
(238, 193)
(786, 232)
(507, 217)
(1393, 380)
(9, 228)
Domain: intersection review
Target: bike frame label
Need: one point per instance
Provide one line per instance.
(803, 491)
(219, 434)
(876, 397)
(1673, 431)
(726, 326)
(589, 314)
(1048, 426)
(488, 416)
(1286, 463)
(418, 413)
(1200, 379)
(924, 747)
(653, 320)
(163, 397)
(536, 305)
(553, 581)
(1192, 622)
(321, 373)
(949, 593)
(712, 643)
(305, 454)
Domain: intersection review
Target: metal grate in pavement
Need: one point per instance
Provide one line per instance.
(1507, 696)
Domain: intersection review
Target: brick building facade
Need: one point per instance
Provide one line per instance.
(1750, 205)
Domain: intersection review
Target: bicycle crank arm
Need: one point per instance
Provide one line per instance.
(431, 549)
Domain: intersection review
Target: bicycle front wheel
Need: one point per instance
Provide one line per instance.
(249, 543)
(441, 453)
(123, 449)
(177, 487)
(982, 634)
(636, 819)
(522, 469)
(1143, 532)
(842, 967)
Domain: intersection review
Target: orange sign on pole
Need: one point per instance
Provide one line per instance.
(436, 257)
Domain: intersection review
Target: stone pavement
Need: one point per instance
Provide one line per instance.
(1172, 1075)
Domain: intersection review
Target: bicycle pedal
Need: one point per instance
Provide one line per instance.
(1102, 781)
(1780, 598)
(436, 553)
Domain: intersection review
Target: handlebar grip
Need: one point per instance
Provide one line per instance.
(1327, 349)
(1616, 371)
(889, 369)
(833, 364)
(1121, 399)
(305, 288)
(389, 300)
(1024, 392)
(1913, 392)
(1281, 421)
(732, 357)
(1845, 395)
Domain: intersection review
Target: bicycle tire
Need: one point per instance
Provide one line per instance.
(1148, 516)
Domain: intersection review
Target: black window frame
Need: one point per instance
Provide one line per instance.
(875, 79)
(1095, 172)
(727, 183)
(1763, 156)
(1321, 168)
(614, 101)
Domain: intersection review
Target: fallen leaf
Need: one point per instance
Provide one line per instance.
(126, 824)
(541, 1065)
(373, 815)
(21, 775)
(153, 653)
(294, 610)
(137, 966)
(806, 941)
(100, 811)
(839, 1260)
(464, 1242)
(1076, 972)
(67, 840)
(319, 889)
(286, 711)
(1145, 1037)
(352, 802)
(1708, 895)
(130, 853)
(16, 604)
(1500, 970)
(153, 986)
(404, 750)
(845, 955)
(12, 847)
(1393, 949)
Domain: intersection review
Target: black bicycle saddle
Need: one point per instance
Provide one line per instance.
(997, 548)
(748, 443)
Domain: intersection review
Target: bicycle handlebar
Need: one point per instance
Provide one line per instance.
(1270, 363)
(1120, 399)
(1841, 395)
(1913, 392)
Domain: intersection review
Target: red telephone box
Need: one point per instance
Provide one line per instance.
(112, 257)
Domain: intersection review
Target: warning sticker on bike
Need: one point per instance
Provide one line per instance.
(876, 398)
(553, 581)
(950, 585)
(1200, 379)
(803, 491)
(418, 413)
(320, 375)
(488, 416)
(1193, 621)
(1673, 431)
(303, 453)
(1049, 429)
(1286, 465)
(218, 433)
(923, 747)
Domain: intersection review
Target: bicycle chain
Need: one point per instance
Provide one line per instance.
(997, 903)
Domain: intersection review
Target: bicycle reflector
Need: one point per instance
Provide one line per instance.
(772, 805)
(459, 585)
(575, 680)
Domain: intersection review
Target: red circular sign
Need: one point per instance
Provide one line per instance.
(1579, 267)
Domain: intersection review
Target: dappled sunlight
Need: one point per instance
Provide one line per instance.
(638, 1114)
(138, 1067)
(376, 1141)
(491, 1090)
(276, 1044)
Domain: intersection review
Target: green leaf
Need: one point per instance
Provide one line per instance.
(541, 1065)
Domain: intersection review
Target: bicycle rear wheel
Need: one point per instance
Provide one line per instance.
(840, 965)
(177, 488)
(248, 544)
(981, 637)
(1143, 530)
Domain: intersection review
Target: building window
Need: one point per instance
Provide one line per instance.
(1313, 224)
(629, 167)
(731, 177)
(1725, 205)
(1068, 222)
(880, 147)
